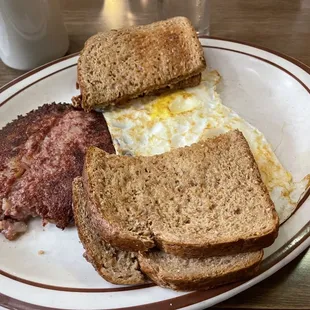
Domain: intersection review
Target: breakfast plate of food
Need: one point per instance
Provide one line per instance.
(152, 170)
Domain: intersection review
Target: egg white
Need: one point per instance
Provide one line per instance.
(154, 125)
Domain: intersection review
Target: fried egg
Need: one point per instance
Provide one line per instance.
(154, 125)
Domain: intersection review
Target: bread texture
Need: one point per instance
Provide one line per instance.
(204, 200)
(115, 266)
(122, 64)
(166, 270)
(186, 274)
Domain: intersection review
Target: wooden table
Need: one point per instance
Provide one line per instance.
(282, 25)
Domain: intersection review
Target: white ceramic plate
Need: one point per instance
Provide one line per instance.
(270, 91)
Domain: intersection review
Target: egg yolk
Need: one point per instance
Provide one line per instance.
(160, 109)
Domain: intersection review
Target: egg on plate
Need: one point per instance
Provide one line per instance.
(154, 125)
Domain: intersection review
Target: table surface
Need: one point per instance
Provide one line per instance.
(282, 25)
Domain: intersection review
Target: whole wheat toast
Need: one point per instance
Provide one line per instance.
(119, 65)
(116, 266)
(122, 267)
(204, 200)
(187, 274)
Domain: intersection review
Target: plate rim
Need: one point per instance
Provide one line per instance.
(289, 248)
(291, 59)
(11, 302)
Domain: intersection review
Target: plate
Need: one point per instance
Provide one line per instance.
(269, 90)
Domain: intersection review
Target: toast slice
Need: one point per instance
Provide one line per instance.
(122, 267)
(189, 82)
(115, 266)
(186, 274)
(122, 64)
(204, 200)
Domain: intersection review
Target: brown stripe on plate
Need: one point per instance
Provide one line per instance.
(31, 72)
(295, 61)
(198, 296)
(264, 60)
(101, 290)
(35, 82)
(191, 298)
(76, 289)
(277, 53)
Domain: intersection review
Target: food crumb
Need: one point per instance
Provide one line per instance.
(41, 252)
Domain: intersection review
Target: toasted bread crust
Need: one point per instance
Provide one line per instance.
(105, 258)
(182, 282)
(89, 255)
(225, 248)
(190, 82)
(183, 63)
(229, 247)
(119, 237)
(110, 232)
